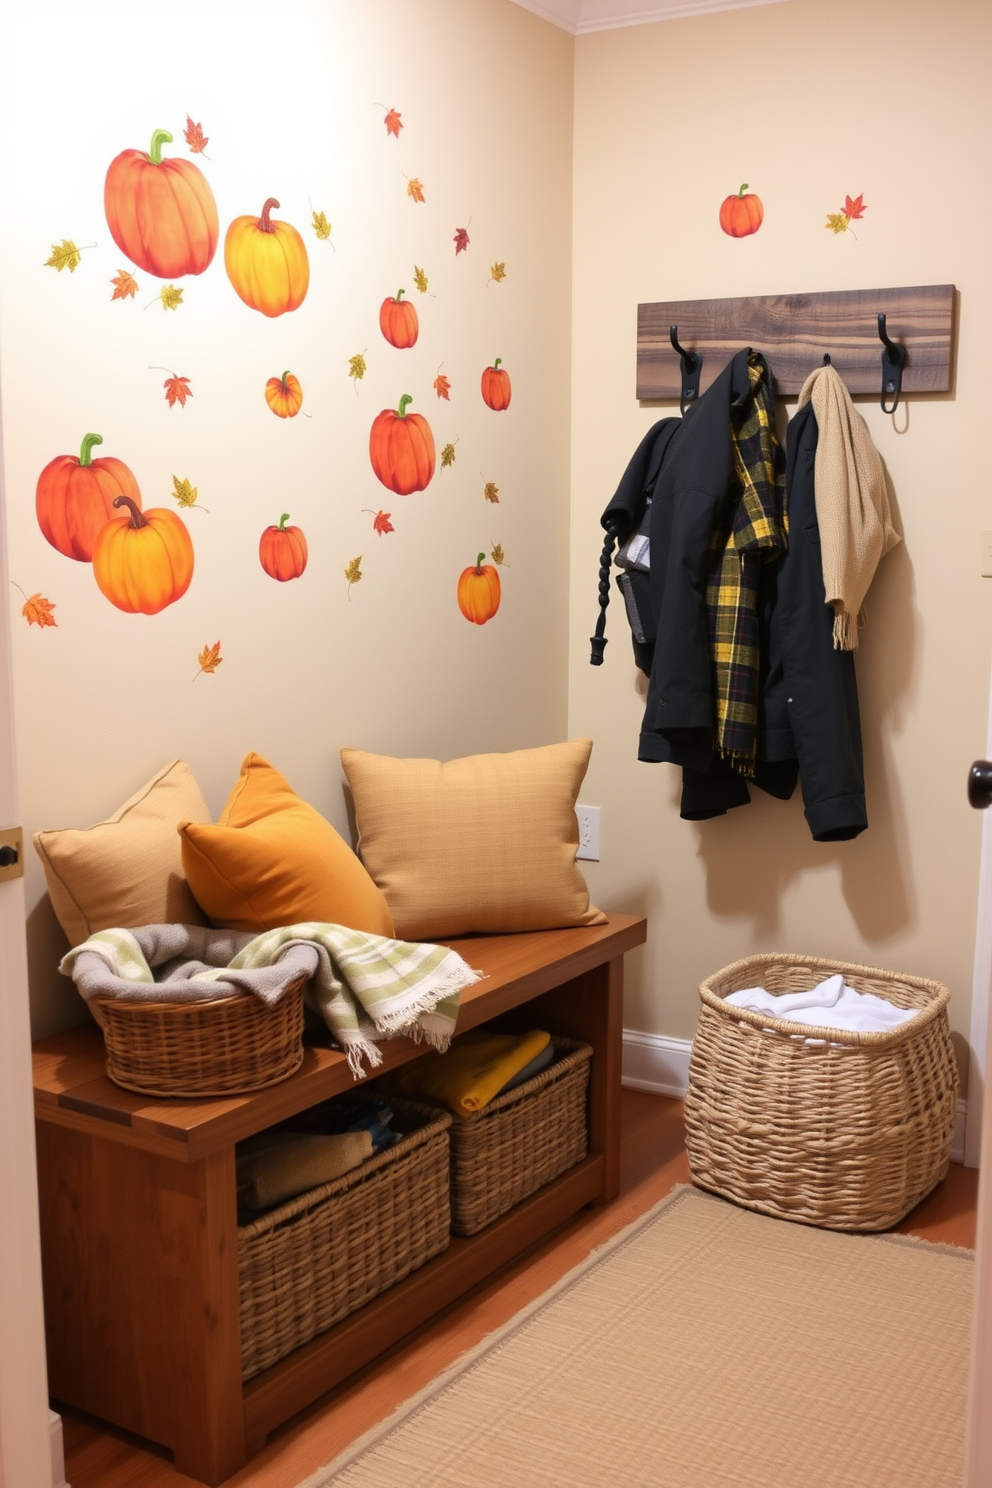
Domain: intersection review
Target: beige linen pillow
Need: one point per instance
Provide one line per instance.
(485, 843)
(126, 871)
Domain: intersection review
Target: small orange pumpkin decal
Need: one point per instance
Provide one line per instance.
(266, 261)
(741, 215)
(284, 395)
(401, 448)
(161, 213)
(398, 321)
(282, 551)
(143, 561)
(75, 498)
(496, 386)
(479, 592)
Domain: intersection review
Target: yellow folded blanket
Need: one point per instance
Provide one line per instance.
(474, 1069)
(275, 1166)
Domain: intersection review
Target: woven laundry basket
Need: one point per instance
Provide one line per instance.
(784, 1119)
(224, 1046)
(307, 1264)
(521, 1140)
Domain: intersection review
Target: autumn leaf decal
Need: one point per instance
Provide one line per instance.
(125, 286)
(420, 279)
(177, 389)
(380, 521)
(448, 455)
(496, 273)
(209, 659)
(170, 298)
(460, 240)
(415, 189)
(65, 255)
(491, 492)
(37, 610)
(185, 493)
(497, 555)
(393, 122)
(357, 368)
(854, 210)
(195, 137)
(321, 226)
(442, 386)
(353, 573)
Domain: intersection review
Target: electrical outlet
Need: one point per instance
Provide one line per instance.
(987, 555)
(588, 817)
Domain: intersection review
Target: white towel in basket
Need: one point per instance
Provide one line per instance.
(830, 1004)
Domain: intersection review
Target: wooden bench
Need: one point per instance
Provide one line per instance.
(139, 1219)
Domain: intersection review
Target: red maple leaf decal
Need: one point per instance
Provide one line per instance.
(442, 387)
(177, 390)
(195, 137)
(381, 522)
(125, 285)
(460, 239)
(855, 208)
(393, 123)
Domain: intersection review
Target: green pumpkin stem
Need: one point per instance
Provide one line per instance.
(137, 519)
(399, 295)
(405, 401)
(743, 189)
(263, 222)
(282, 521)
(496, 363)
(159, 138)
(86, 448)
(284, 382)
(478, 563)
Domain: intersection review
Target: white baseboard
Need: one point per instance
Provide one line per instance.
(660, 1066)
(58, 1454)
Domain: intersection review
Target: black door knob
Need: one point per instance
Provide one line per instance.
(8, 856)
(980, 784)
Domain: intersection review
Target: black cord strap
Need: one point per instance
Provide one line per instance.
(598, 641)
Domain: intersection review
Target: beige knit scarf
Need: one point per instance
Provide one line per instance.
(852, 503)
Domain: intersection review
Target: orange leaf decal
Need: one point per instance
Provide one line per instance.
(442, 387)
(380, 521)
(393, 122)
(37, 610)
(415, 189)
(125, 286)
(177, 390)
(854, 208)
(460, 240)
(195, 137)
(209, 659)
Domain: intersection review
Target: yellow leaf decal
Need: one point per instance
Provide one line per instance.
(491, 492)
(37, 610)
(353, 572)
(356, 365)
(498, 272)
(447, 456)
(125, 285)
(837, 222)
(497, 554)
(65, 255)
(415, 190)
(420, 279)
(321, 226)
(184, 493)
(209, 659)
(171, 298)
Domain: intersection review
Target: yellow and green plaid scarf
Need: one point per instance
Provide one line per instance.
(753, 531)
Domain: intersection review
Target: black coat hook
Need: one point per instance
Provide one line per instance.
(692, 364)
(893, 361)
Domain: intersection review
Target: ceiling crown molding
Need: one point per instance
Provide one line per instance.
(582, 16)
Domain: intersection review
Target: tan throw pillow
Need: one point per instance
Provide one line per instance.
(481, 844)
(273, 860)
(126, 871)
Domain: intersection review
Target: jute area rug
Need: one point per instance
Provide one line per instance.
(704, 1347)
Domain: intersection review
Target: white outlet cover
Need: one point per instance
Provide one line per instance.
(588, 819)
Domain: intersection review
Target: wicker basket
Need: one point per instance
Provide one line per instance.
(849, 1136)
(221, 1047)
(307, 1264)
(520, 1140)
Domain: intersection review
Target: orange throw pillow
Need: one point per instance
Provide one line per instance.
(271, 859)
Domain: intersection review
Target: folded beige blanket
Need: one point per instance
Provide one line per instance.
(276, 1166)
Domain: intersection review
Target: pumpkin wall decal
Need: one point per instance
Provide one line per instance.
(398, 321)
(496, 386)
(282, 551)
(742, 214)
(143, 561)
(401, 448)
(284, 395)
(479, 592)
(75, 498)
(161, 213)
(266, 261)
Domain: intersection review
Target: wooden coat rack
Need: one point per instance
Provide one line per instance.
(795, 332)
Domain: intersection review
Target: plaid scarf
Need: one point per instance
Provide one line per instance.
(753, 530)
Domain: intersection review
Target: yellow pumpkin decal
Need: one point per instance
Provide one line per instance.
(266, 261)
(284, 395)
(143, 561)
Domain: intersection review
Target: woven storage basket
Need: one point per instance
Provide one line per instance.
(221, 1047)
(846, 1136)
(520, 1140)
(307, 1264)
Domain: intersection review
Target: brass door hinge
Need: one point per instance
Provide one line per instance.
(11, 853)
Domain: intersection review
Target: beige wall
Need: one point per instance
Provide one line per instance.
(806, 102)
(293, 104)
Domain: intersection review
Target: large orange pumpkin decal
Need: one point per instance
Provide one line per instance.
(284, 395)
(75, 498)
(496, 386)
(143, 561)
(479, 592)
(398, 321)
(742, 214)
(401, 448)
(282, 551)
(161, 213)
(266, 261)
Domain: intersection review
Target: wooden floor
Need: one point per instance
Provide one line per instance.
(654, 1161)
